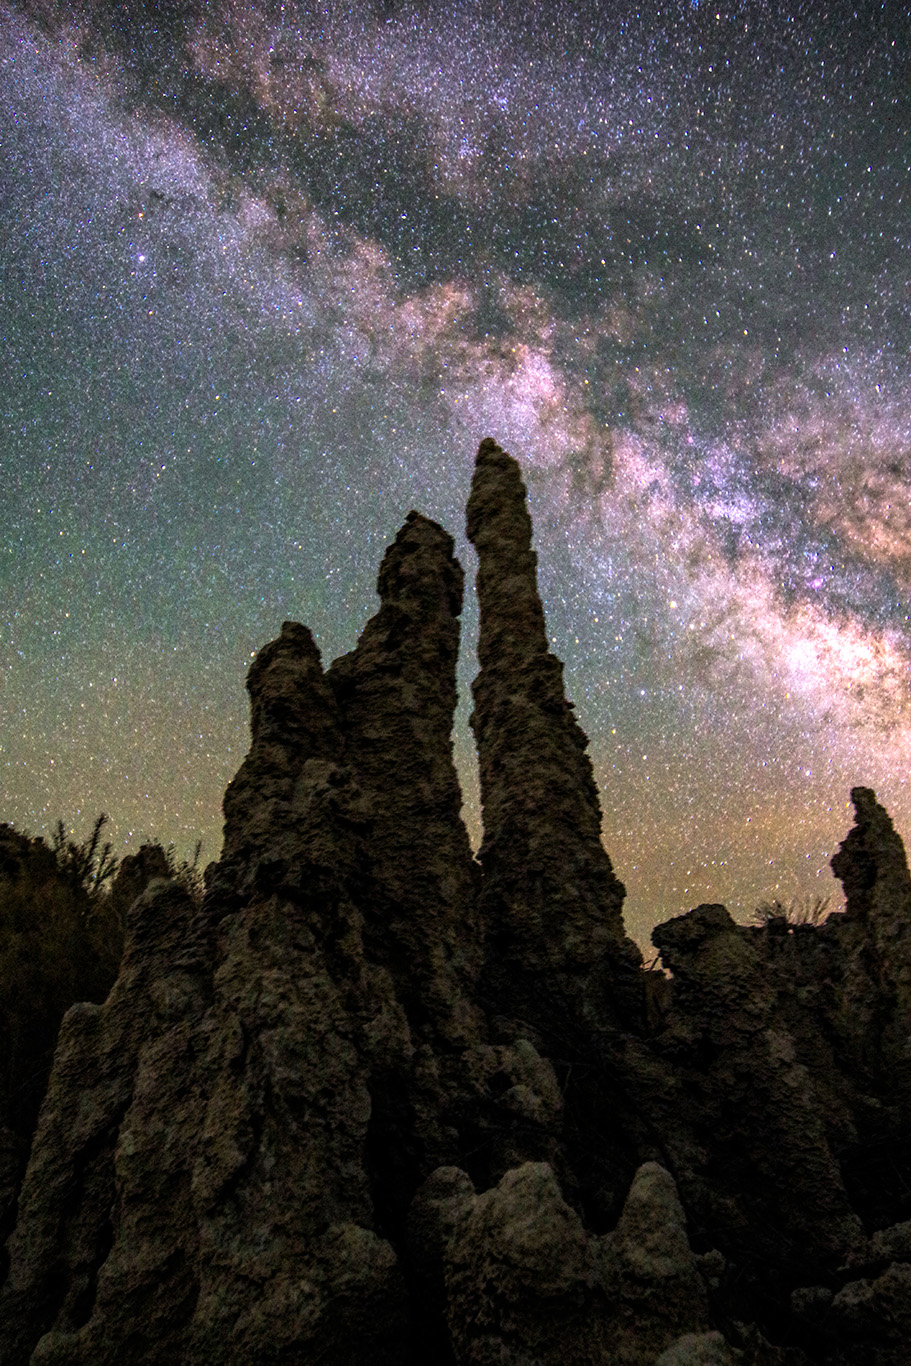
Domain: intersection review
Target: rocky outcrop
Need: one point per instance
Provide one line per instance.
(526, 1281)
(396, 696)
(277, 1070)
(787, 1112)
(59, 943)
(551, 904)
(743, 1101)
(875, 936)
(291, 799)
(134, 873)
(374, 1101)
(78, 1204)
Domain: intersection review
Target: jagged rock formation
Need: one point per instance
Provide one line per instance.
(745, 1100)
(525, 1281)
(558, 965)
(787, 1116)
(551, 904)
(373, 1101)
(58, 945)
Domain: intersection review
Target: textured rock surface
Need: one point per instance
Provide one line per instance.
(522, 1276)
(134, 874)
(525, 1281)
(745, 1101)
(699, 1349)
(558, 965)
(254, 1077)
(551, 904)
(58, 944)
(396, 696)
(876, 933)
(652, 1275)
(375, 1102)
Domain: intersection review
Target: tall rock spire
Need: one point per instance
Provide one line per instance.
(368, 1102)
(552, 903)
(876, 932)
(274, 804)
(396, 697)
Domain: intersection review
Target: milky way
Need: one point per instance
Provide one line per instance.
(268, 274)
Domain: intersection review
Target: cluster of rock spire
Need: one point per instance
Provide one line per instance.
(375, 1101)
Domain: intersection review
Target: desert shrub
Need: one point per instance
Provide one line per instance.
(88, 865)
(187, 872)
(58, 944)
(62, 913)
(800, 910)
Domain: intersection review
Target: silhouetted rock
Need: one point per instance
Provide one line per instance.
(744, 1102)
(134, 873)
(396, 696)
(297, 1050)
(59, 943)
(119, 1092)
(373, 1101)
(290, 795)
(552, 907)
(558, 964)
(876, 932)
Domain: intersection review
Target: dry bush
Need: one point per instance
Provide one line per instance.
(800, 910)
(88, 865)
(187, 872)
(59, 943)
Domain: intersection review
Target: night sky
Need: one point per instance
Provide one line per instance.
(268, 274)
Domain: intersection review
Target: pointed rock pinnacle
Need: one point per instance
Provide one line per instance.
(551, 900)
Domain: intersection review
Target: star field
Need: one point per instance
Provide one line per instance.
(269, 272)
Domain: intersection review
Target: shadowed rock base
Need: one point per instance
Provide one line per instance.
(373, 1101)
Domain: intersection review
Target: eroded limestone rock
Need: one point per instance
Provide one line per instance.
(875, 1314)
(525, 1281)
(750, 1143)
(227, 1138)
(876, 935)
(558, 966)
(551, 903)
(699, 1349)
(70, 1209)
(396, 696)
(522, 1277)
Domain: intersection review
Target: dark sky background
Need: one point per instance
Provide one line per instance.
(268, 274)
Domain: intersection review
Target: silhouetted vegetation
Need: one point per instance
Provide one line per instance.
(90, 864)
(187, 872)
(800, 910)
(63, 910)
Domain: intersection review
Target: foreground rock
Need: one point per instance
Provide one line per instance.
(60, 942)
(525, 1281)
(373, 1101)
